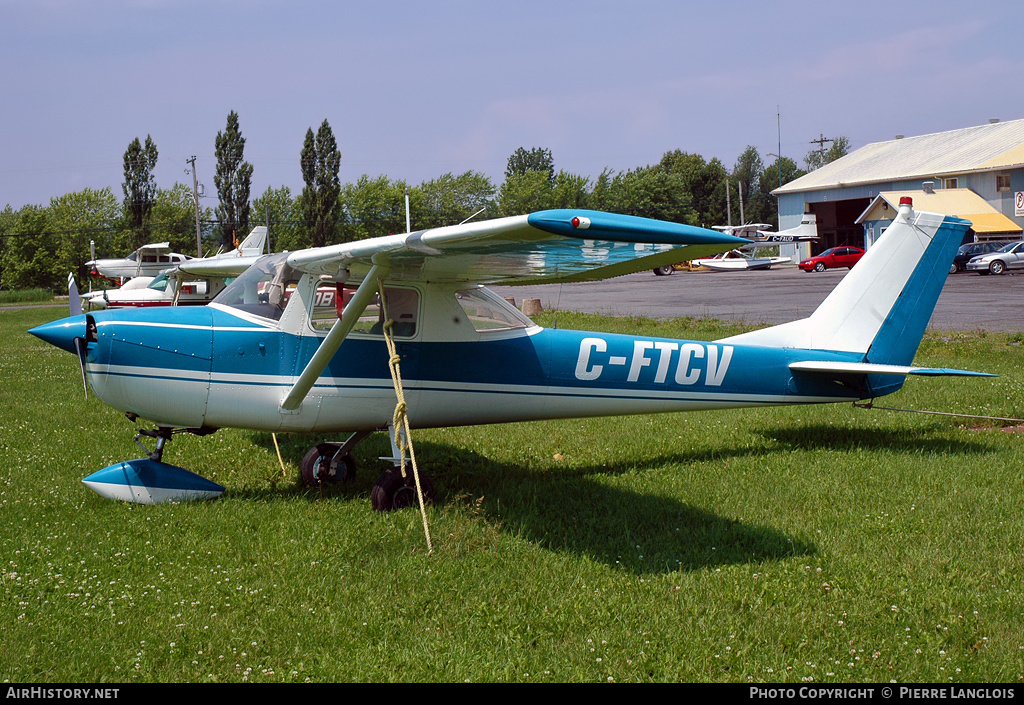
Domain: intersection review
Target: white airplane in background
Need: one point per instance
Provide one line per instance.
(760, 233)
(150, 260)
(172, 287)
(147, 261)
(746, 257)
(175, 286)
(264, 356)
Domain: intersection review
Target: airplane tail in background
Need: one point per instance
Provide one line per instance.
(882, 307)
(807, 230)
(254, 242)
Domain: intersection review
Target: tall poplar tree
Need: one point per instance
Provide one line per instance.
(320, 161)
(139, 188)
(538, 159)
(233, 180)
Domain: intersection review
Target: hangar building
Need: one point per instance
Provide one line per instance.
(975, 173)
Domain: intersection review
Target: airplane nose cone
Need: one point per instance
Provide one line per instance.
(62, 333)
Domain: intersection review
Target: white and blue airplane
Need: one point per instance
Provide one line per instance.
(267, 355)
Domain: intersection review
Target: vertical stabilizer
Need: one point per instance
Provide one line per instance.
(881, 308)
(807, 230)
(254, 242)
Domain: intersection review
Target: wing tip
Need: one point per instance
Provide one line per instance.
(618, 227)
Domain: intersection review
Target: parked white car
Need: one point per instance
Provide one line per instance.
(1011, 256)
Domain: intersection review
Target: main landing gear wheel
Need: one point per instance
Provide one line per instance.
(392, 491)
(664, 271)
(324, 464)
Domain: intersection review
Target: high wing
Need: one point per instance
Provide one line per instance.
(748, 230)
(219, 266)
(544, 247)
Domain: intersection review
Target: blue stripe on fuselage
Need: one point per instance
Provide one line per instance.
(552, 361)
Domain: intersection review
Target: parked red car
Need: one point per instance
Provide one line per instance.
(845, 256)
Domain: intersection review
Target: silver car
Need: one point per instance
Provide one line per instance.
(1011, 256)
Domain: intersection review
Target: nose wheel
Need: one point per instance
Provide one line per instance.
(327, 463)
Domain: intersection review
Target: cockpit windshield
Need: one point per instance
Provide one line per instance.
(159, 283)
(263, 289)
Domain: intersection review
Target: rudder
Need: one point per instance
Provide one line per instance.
(881, 308)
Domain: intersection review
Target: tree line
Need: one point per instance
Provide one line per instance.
(39, 244)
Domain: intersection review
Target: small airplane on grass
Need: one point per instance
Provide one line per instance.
(266, 355)
(175, 286)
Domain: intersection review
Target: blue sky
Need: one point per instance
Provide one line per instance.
(414, 90)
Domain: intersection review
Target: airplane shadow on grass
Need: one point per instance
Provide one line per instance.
(820, 436)
(565, 509)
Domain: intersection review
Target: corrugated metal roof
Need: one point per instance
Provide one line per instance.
(992, 223)
(984, 147)
(961, 202)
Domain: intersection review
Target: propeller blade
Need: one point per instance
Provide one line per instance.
(81, 363)
(73, 297)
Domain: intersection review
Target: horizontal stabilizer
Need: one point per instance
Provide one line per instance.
(868, 368)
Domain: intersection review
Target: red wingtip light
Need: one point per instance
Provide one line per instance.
(580, 223)
(576, 222)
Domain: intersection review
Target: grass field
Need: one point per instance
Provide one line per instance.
(814, 544)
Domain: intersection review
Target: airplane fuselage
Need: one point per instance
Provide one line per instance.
(296, 342)
(209, 366)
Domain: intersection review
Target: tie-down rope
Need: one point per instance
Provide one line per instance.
(400, 420)
(871, 405)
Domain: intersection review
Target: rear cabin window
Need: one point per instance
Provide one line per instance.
(488, 312)
(402, 306)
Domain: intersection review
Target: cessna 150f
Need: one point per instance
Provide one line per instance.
(174, 286)
(263, 356)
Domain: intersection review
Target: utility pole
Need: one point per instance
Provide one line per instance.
(266, 210)
(728, 203)
(739, 187)
(195, 201)
(822, 139)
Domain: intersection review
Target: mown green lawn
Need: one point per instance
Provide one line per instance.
(814, 544)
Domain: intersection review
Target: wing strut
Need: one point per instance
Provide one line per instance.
(339, 331)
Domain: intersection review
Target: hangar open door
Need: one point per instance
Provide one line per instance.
(837, 223)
